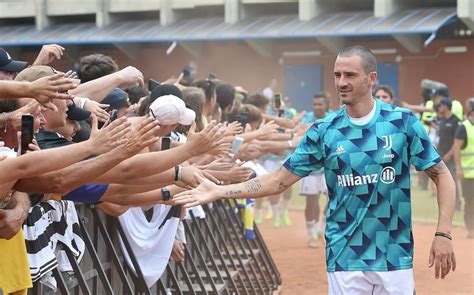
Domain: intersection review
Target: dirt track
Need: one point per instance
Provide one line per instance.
(303, 269)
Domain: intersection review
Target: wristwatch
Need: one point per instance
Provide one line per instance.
(166, 193)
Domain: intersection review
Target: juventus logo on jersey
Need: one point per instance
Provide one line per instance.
(388, 142)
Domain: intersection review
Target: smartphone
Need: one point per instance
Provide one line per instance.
(165, 143)
(152, 84)
(27, 131)
(113, 115)
(236, 145)
(277, 100)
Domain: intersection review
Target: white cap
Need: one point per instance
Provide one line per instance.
(169, 110)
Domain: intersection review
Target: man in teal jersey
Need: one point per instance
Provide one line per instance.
(366, 149)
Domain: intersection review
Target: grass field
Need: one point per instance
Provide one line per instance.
(424, 206)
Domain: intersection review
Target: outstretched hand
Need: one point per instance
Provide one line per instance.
(45, 89)
(203, 194)
(48, 54)
(442, 257)
(109, 137)
(206, 140)
(141, 137)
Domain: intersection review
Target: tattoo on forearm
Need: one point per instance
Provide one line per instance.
(233, 193)
(253, 186)
(436, 170)
(282, 186)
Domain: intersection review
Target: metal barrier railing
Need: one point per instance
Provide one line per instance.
(218, 259)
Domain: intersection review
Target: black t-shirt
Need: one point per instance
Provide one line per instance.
(51, 139)
(461, 133)
(447, 129)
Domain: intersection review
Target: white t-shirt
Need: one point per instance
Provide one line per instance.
(365, 119)
(152, 241)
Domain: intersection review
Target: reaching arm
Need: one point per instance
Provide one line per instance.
(446, 194)
(68, 178)
(44, 161)
(267, 185)
(97, 89)
(283, 122)
(155, 162)
(141, 199)
(442, 253)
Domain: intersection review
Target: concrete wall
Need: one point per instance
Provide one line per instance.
(18, 8)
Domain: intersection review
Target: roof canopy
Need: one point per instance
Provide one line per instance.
(341, 24)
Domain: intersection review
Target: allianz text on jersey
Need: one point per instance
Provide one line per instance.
(387, 176)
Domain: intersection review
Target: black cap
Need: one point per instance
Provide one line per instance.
(77, 114)
(117, 99)
(7, 64)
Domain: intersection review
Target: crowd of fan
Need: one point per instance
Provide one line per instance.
(101, 137)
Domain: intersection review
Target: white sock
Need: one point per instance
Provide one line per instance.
(310, 227)
(276, 212)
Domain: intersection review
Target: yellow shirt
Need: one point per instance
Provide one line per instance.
(14, 267)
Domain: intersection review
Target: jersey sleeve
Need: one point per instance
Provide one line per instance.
(461, 132)
(308, 155)
(422, 154)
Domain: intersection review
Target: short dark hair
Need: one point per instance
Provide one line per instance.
(320, 95)
(135, 92)
(225, 94)
(95, 66)
(385, 88)
(258, 100)
(208, 86)
(369, 62)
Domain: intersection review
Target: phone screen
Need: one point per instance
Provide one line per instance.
(165, 143)
(27, 126)
(277, 100)
(113, 115)
(152, 84)
(236, 145)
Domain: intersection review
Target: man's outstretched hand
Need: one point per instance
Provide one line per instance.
(442, 257)
(203, 194)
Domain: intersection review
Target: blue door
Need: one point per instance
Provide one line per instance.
(387, 74)
(301, 83)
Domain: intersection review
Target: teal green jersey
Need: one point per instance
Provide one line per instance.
(367, 171)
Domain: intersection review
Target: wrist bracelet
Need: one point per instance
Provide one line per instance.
(444, 235)
(83, 101)
(176, 173)
(180, 171)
